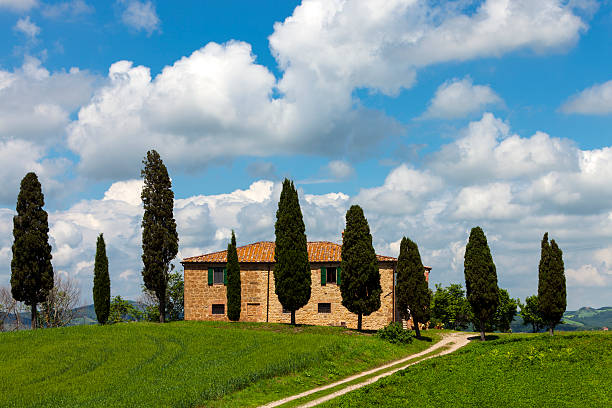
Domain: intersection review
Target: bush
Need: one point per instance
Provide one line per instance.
(394, 333)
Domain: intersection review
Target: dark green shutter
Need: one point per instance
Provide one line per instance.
(225, 276)
(323, 276)
(210, 276)
(338, 276)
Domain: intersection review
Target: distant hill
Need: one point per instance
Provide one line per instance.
(585, 318)
(84, 315)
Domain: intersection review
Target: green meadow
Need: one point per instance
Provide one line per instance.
(567, 370)
(181, 364)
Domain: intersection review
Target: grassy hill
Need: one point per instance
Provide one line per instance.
(585, 318)
(181, 364)
(567, 370)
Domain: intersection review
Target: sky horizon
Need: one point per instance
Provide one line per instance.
(434, 117)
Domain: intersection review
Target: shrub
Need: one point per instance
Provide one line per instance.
(394, 333)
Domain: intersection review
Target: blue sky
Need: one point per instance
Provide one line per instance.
(434, 116)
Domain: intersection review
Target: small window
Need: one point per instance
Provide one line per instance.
(331, 275)
(324, 307)
(218, 309)
(218, 276)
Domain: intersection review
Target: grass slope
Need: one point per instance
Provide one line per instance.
(180, 364)
(568, 370)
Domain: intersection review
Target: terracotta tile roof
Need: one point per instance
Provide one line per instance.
(320, 251)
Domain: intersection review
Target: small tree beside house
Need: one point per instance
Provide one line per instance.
(31, 269)
(360, 286)
(292, 276)
(233, 282)
(480, 280)
(413, 295)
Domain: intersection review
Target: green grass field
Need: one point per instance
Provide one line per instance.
(567, 370)
(181, 364)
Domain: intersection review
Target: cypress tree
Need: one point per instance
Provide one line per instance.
(480, 280)
(552, 299)
(101, 286)
(413, 295)
(31, 269)
(233, 281)
(291, 269)
(360, 285)
(159, 236)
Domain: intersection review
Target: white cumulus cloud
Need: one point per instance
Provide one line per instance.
(140, 15)
(596, 100)
(27, 27)
(459, 98)
(18, 5)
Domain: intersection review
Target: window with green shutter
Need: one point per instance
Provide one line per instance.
(323, 276)
(225, 276)
(338, 270)
(210, 275)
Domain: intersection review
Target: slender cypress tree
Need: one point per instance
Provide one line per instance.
(101, 286)
(291, 269)
(360, 286)
(159, 236)
(413, 296)
(480, 280)
(552, 299)
(31, 269)
(233, 281)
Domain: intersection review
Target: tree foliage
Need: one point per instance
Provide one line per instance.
(159, 236)
(59, 308)
(292, 268)
(123, 311)
(233, 281)
(530, 312)
(360, 284)
(413, 295)
(506, 311)
(31, 269)
(450, 307)
(175, 296)
(101, 286)
(552, 295)
(480, 279)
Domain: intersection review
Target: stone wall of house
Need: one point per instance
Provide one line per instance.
(199, 298)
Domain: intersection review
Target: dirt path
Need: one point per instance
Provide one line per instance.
(452, 342)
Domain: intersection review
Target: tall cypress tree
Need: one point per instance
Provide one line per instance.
(233, 281)
(360, 286)
(552, 299)
(413, 296)
(292, 278)
(31, 269)
(101, 286)
(159, 236)
(480, 280)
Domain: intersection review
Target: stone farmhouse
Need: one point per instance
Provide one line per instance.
(206, 279)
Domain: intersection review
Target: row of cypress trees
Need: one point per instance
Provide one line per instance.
(360, 284)
(483, 292)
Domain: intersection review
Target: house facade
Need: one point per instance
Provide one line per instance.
(206, 279)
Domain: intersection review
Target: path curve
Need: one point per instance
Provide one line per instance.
(454, 341)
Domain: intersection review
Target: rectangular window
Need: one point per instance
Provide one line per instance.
(218, 276)
(324, 308)
(218, 309)
(331, 275)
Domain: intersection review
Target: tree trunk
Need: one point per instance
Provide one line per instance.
(416, 328)
(34, 316)
(293, 317)
(162, 310)
(551, 330)
(482, 332)
(359, 321)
